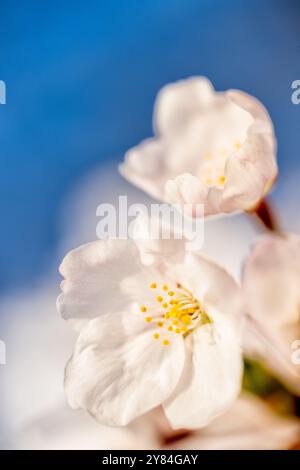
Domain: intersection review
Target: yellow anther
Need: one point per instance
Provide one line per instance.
(175, 322)
(166, 342)
(173, 301)
(186, 319)
(153, 285)
(165, 287)
(221, 179)
(165, 305)
(177, 330)
(167, 315)
(159, 298)
(183, 329)
(156, 336)
(160, 324)
(237, 145)
(148, 319)
(170, 328)
(143, 309)
(170, 293)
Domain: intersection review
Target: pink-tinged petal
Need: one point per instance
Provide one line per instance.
(119, 371)
(63, 429)
(144, 166)
(271, 281)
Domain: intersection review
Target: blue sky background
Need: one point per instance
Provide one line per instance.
(81, 80)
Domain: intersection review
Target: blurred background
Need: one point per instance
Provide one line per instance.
(81, 81)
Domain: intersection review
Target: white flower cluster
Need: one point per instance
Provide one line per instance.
(160, 325)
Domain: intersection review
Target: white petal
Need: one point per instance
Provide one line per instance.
(101, 277)
(119, 371)
(178, 102)
(211, 378)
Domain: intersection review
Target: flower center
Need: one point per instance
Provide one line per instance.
(213, 165)
(179, 312)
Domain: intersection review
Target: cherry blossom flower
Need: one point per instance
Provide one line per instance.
(153, 330)
(211, 148)
(271, 284)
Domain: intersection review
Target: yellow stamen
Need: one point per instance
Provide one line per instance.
(186, 319)
(171, 293)
(159, 298)
(221, 179)
(143, 309)
(170, 328)
(177, 330)
(166, 342)
(165, 287)
(160, 324)
(156, 336)
(165, 305)
(153, 285)
(148, 319)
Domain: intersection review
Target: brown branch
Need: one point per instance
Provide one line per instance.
(265, 215)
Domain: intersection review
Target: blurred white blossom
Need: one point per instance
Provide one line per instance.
(271, 285)
(215, 148)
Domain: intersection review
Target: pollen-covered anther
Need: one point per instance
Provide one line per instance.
(183, 312)
(221, 179)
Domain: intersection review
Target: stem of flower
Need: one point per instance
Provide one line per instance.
(266, 217)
